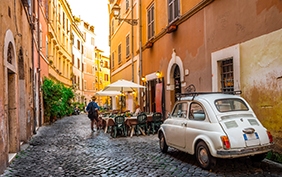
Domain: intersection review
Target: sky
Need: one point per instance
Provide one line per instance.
(94, 12)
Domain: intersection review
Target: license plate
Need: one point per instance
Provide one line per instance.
(251, 136)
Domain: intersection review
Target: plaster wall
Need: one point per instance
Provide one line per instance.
(261, 80)
(14, 28)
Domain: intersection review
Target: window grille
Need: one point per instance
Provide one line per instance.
(227, 79)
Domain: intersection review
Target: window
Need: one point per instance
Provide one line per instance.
(227, 81)
(106, 64)
(126, 5)
(73, 59)
(196, 112)
(180, 110)
(151, 21)
(47, 46)
(78, 82)
(82, 49)
(173, 10)
(29, 7)
(113, 28)
(96, 79)
(78, 63)
(113, 59)
(106, 77)
(96, 55)
(67, 25)
(92, 41)
(78, 44)
(119, 54)
(85, 84)
(83, 67)
(226, 105)
(64, 21)
(127, 46)
(59, 14)
(40, 37)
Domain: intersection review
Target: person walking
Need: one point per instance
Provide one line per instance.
(92, 109)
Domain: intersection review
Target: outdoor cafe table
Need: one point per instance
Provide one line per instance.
(131, 122)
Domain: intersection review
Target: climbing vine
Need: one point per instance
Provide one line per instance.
(57, 100)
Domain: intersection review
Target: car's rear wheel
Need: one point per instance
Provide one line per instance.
(258, 157)
(163, 145)
(204, 158)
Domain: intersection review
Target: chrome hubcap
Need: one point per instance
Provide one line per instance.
(203, 156)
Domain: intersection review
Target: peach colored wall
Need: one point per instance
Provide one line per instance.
(261, 80)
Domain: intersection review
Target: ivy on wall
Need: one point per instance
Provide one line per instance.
(57, 100)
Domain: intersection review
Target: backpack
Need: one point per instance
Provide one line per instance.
(91, 111)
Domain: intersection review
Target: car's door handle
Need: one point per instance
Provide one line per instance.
(184, 124)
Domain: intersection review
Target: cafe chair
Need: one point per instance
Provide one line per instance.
(142, 122)
(157, 120)
(119, 125)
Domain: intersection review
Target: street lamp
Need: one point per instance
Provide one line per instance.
(132, 22)
(116, 13)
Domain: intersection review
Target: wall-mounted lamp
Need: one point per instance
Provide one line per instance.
(116, 13)
(143, 78)
(158, 73)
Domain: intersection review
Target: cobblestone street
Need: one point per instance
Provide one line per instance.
(68, 148)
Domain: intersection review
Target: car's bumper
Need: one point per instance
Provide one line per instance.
(245, 151)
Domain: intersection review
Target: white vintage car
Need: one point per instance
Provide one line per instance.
(215, 126)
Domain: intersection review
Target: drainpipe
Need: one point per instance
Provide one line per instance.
(33, 69)
(39, 68)
(132, 51)
(140, 48)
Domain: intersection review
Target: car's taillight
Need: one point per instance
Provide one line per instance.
(270, 137)
(225, 141)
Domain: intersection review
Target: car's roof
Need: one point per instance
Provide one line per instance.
(210, 97)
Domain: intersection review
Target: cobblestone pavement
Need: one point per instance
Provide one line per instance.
(68, 148)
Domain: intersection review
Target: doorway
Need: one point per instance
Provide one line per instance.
(12, 113)
(177, 82)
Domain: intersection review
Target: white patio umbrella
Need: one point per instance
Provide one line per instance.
(107, 93)
(122, 86)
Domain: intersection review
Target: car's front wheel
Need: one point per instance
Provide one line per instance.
(163, 145)
(204, 158)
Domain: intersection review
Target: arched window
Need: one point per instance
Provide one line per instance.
(10, 53)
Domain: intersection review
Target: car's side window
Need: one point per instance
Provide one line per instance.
(180, 110)
(196, 112)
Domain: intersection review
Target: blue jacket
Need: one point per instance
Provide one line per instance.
(94, 104)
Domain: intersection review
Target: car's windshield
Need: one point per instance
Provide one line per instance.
(231, 104)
